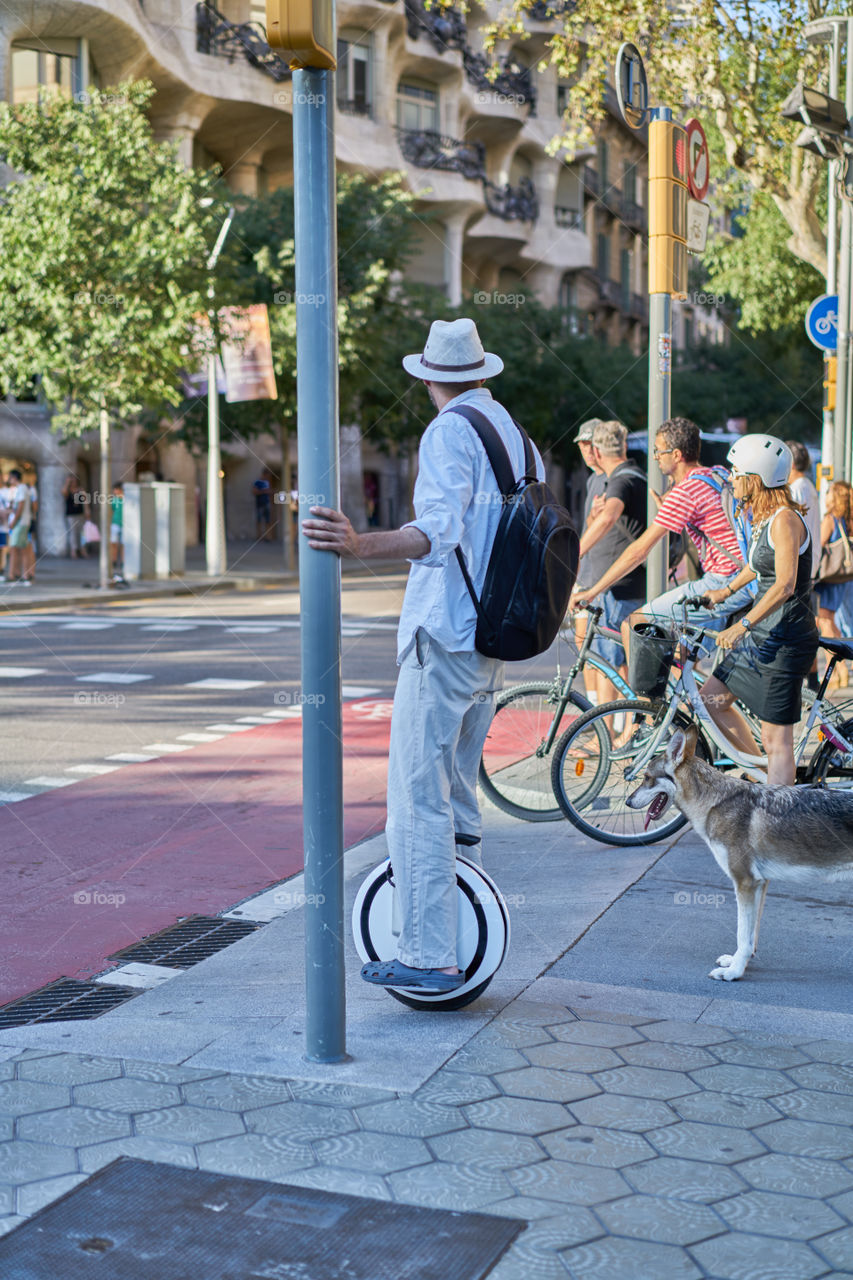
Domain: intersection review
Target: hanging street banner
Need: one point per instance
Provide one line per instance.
(247, 354)
(822, 322)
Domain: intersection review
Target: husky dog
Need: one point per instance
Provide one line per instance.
(754, 832)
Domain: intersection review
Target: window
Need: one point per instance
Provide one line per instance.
(562, 98)
(603, 259)
(48, 66)
(602, 164)
(625, 277)
(353, 78)
(629, 181)
(417, 105)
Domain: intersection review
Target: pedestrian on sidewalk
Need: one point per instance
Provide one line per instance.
(117, 531)
(75, 514)
(5, 511)
(19, 528)
(804, 492)
(592, 564)
(445, 693)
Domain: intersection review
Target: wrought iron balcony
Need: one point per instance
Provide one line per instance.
(513, 204)
(610, 292)
(545, 10)
(223, 39)
(639, 307)
(589, 178)
(445, 28)
(513, 83)
(633, 214)
(429, 150)
(571, 218)
(354, 107)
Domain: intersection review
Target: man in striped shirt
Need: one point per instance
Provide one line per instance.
(690, 504)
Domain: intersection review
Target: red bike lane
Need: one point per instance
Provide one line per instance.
(93, 867)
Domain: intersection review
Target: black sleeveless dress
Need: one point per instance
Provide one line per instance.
(766, 670)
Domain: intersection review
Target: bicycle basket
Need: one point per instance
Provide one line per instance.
(650, 658)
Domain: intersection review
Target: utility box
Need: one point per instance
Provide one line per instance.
(154, 530)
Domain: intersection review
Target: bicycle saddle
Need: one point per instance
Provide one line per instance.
(841, 648)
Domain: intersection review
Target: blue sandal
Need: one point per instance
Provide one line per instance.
(393, 973)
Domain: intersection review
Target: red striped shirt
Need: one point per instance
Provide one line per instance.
(695, 502)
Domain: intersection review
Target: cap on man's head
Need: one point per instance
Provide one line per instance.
(453, 353)
(586, 429)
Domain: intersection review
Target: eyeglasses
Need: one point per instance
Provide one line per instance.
(658, 453)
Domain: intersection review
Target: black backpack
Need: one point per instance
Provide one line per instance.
(534, 558)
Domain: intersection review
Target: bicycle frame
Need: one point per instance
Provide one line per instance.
(685, 687)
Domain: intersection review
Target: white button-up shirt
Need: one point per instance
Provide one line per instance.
(457, 504)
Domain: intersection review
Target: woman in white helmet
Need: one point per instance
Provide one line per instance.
(769, 651)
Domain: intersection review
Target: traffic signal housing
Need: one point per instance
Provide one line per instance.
(304, 32)
(667, 208)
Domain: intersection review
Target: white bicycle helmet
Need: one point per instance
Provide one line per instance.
(763, 456)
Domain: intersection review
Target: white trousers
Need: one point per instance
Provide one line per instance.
(443, 706)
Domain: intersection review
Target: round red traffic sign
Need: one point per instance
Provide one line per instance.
(698, 164)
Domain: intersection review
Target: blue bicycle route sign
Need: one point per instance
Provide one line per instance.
(822, 322)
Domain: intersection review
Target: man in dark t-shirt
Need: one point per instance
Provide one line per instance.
(618, 519)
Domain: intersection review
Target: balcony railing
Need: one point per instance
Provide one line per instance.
(354, 107)
(223, 39)
(633, 214)
(610, 292)
(446, 29)
(519, 203)
(429, 150)
(589, 179)
(639, 307)
(571, 218)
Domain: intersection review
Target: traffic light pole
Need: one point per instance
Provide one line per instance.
(319, 573)
(829, 435)
(660, 401)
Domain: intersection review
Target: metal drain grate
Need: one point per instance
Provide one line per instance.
(67, 999)
(188, 942)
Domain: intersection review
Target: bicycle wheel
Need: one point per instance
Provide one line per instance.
(830, 766)
(515, 769)
(589, 766)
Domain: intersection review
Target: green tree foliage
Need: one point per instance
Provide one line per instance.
(102, 249)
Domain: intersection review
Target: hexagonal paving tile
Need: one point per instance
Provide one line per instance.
(372, 1152)
(14, 1220)
(546, 1084)
(617, 1111)
(73, 1126)
(337, 1095)
(456, 1088)
(828, 1076)
(747, 1053)
(169, 1073)
(485, 1059)
(830, 1051)
(606, 1147)
(512, 1036)
(411, 1118)
(127, 1095)
(645, 1082)
(807, 1138)
(450, 1186)
(685, 1033)
(665, 1056)
(236, 1093)
(31, 1161)
(568, 1183)
(69, 1068)
(725, 1108)
(685, 1180)
(811, 1104)
(21, 1097)
(103, 1153)
(253, 1155)
(7, 1202)
(188, 1124)
(607, 1034)
(350, 1182)
(518, 1115)
(791, 1217)
(751, 1082)
(838, 1250)
(301, 1122)
(797, 1175)
(565, 1056)
(742, 1257)
(718, 1143)
(492, 1150)
(664, 1221)
(35, 1195)
(844, 1205)
(535, 1252)
(610, 1259)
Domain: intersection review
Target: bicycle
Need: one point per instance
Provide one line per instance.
(515, 769)
(598, 761)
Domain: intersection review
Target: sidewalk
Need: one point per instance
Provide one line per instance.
(643, 1134)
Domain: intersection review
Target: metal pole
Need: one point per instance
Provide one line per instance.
(214, 539)
(826, 444)
(660, 399)
(105, 486)
(847, 277)
(319, 579)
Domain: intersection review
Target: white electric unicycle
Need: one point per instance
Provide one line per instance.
(482, 932)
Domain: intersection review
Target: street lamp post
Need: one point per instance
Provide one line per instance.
(215, 524)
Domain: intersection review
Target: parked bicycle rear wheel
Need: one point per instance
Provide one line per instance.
(589, 765)
(830, 766)
(515, 770)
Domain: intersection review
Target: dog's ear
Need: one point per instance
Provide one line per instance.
(676, 750)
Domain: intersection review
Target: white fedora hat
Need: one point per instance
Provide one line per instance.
(453, 353)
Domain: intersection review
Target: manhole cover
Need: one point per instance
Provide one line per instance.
(137, 1220)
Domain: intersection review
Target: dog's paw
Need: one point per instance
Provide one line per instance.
(724, 961)
(724, 975)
